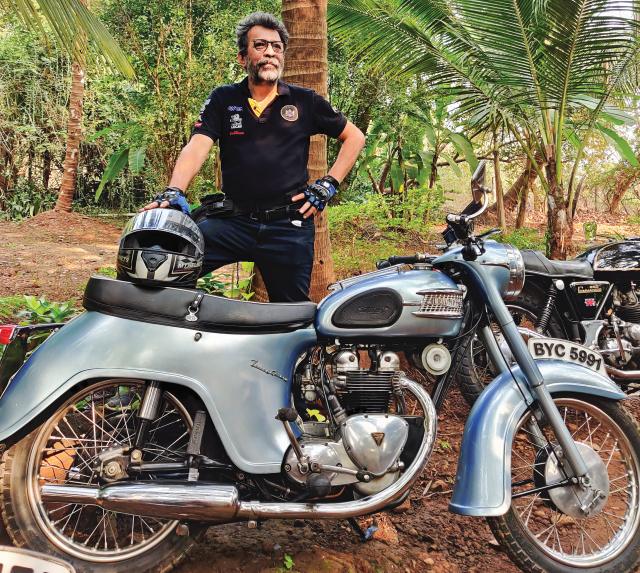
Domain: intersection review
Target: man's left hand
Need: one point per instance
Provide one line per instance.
(318, 194)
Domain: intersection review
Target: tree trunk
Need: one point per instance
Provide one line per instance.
(498, 183)
(306, 65)
(624, 180)
(74, 136)
(510, 199)
(559, 218)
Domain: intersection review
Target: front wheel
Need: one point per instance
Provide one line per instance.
(476, 370)
(70, 447)
(585, 528)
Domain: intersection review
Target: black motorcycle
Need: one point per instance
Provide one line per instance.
(593, 300)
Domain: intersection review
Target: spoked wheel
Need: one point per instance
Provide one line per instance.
(82, 444)
(476, 370)
(572, 528)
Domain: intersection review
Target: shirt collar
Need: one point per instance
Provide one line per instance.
(283, 89)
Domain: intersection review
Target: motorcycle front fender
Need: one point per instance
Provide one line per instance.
(242, 379)
(483, 481)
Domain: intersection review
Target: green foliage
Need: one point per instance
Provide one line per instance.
(10, 306)
(287, 562)
(40, 310)
(235, 285)
(523, 238)
(107, 272)
(25, 200)
(380, 226)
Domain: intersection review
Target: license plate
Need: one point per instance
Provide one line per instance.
(567, 351)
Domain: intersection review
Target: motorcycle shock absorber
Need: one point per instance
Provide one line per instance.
(543, 322)
(148, 411)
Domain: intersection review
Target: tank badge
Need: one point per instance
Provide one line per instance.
(289, 112)
(377, 437)
(255, 364)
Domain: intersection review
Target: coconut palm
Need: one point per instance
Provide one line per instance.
(73, 26)
(548, 68)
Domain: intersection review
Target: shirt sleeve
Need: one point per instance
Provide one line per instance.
(326, 119)
(210, 118)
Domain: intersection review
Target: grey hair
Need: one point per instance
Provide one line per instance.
(263, 19)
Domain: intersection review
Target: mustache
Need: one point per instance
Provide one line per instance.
(275, 63)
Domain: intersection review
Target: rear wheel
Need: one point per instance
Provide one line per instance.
(69, 448)
(476, 370)
(591, 528)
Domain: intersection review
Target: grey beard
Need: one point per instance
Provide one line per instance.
(259, 75)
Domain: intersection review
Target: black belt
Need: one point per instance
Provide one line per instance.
(276, 213)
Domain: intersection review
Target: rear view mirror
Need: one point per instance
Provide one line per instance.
(477, 181)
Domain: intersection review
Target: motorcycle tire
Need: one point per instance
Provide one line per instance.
(475, 372)
(548, 531)
(61, 450)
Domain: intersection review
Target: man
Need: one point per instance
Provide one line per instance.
(263, 126)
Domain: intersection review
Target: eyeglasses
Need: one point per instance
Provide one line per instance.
(261, 46)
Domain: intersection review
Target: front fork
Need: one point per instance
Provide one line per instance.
(536, 389)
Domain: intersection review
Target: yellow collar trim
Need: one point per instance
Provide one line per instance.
(259, 106)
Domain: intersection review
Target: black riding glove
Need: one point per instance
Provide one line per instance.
(320, 193)
(176, 199)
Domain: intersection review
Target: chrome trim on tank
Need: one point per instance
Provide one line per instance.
(440, 303)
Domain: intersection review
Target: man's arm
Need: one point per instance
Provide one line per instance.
(189, 162)
(352, 143)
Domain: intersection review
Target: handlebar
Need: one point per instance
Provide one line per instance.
(406, 259)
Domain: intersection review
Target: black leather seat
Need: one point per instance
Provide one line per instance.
(170, 306)
(536, 263)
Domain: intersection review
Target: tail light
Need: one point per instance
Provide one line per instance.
(6, 333)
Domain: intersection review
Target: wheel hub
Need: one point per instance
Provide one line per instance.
(586, 498)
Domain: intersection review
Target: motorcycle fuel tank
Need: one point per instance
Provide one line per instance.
(618, 261)
(392, 303)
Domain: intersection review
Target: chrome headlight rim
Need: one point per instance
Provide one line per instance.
(516, 272)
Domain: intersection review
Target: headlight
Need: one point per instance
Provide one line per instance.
(516, 272)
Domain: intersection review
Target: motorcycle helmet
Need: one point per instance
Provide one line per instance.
(161, 247)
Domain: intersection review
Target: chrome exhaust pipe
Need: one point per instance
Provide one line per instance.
(618, 374)
(210, 502)
(178, 500)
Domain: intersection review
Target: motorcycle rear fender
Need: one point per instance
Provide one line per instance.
(242, 379)
(483, 481)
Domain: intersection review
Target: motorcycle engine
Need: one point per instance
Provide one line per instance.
(361, 441)
(620, 342)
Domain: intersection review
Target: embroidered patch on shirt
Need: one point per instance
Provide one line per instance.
(289, 112)
(236, 121)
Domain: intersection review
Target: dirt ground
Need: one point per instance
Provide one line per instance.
(54, 255)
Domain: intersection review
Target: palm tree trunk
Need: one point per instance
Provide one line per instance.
(498, 182)
(74, 137)
(624, 180)
(307, 66)
(559, 216)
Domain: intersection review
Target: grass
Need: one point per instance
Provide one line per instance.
(10, 306)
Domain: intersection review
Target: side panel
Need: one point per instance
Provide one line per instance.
(242, 378)
(483, 481)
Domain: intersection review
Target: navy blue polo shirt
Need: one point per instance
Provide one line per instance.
(265, 157)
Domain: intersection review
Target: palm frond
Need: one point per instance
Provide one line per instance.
(73, 25)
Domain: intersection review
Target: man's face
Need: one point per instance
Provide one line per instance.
(265, 66)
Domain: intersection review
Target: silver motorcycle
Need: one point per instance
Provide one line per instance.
(161, 411)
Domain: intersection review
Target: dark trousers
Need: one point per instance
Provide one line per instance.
(282, 251)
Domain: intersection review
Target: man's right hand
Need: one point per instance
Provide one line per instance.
(171, 197)
(154, 205)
